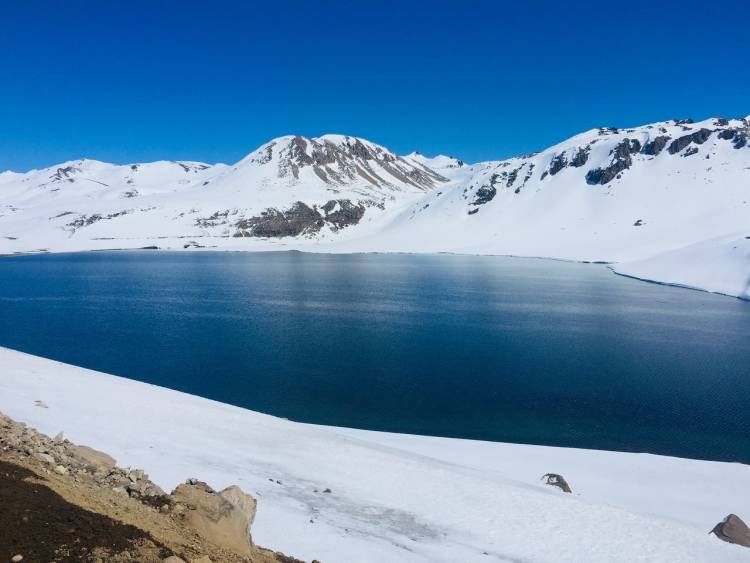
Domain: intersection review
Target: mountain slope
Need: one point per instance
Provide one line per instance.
(291, 186)
(610, 195)
(604, 195)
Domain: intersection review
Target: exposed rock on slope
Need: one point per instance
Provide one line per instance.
(64, 502)
(339, 160)
(301, 219)
(225, 517)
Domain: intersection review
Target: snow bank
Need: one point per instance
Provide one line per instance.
(719, 265)
(393, 497)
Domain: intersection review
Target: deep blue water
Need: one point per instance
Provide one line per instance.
(492, 348)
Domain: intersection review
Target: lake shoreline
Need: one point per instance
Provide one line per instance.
(295, 325)
(611, 265)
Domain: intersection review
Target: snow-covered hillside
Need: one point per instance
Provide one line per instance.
(605, 195)
(632, 196)
(342, 495)
(290, 187)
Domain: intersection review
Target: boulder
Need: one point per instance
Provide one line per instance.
(223, 518)
(45, 458)
(733, 530)
(557, 481)
(91, 458)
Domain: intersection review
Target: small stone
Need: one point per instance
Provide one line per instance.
(92, 458)
(173, 559)
(120, 490)
(557, 481)
(60, 470)
(59, 438)
(17, 558)
(164, 508)
(45, 458)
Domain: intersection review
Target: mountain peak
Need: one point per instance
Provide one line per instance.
(339, 160)
(439, 162)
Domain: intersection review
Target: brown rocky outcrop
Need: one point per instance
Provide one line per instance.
(66, 502)
(225, 517)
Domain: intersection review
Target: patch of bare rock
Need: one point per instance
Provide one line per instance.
(67, 502)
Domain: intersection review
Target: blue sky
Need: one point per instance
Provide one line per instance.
(136, 81)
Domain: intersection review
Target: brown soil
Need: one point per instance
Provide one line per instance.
(42, 526)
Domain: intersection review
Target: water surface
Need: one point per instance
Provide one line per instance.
(504, 349)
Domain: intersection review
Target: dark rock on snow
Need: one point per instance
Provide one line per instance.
(559, 162)
(621, 160)
(732, 530)
(301, 219)
(654, 146)
(699, 137)
(558, 481)
(581, 157)
(484, 194)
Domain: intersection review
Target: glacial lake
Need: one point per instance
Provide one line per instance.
(491, 348)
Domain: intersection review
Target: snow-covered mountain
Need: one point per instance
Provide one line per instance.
(290, 187)
(604, 195)
(668, 202)
(441, 162)
(613, 195)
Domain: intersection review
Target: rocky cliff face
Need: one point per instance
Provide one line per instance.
(301, 219)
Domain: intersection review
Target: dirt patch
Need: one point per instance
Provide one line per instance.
(41, 525)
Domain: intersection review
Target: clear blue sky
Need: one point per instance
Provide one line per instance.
(133, 80)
